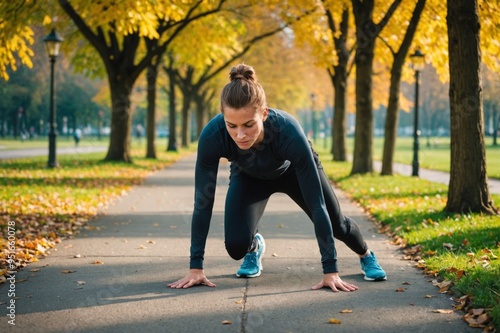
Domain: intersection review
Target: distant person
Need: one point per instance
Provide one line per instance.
(269, 153)
(139, 131)
(77, 135)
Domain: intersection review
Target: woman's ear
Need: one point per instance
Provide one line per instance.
(265, 113)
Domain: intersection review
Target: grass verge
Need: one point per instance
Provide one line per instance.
(460, 252)
(39, 206)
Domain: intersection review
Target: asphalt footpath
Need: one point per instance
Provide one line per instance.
(112, 277)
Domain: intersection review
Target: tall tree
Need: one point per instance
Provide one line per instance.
(339, 74)
(392, 116)
(116, 31)
(366, 33)
(468, 187)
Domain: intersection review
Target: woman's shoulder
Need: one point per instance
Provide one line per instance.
(280, 120)
(214, 139)
(215, 127)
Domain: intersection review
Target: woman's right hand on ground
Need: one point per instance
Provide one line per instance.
(195, 277)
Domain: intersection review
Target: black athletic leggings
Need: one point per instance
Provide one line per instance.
(247, 198)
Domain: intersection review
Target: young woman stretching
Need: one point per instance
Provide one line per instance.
(269, 153)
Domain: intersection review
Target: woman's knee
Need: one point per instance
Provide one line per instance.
(238, 248)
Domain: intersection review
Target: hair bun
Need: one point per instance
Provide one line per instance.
(242, 72)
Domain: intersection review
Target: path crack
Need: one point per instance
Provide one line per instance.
(244, 314)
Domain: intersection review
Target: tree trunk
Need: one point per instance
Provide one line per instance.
(151, 76)
(172, 128)
(391, 122)
(185, 129)
(121, 121)
(339, 125)
(496, 124)
(201, 101)
(392, 117)
(339, 81)
(366, 31)
(468, 187)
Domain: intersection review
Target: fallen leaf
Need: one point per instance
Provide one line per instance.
(80, 282)
(430, 253)
(334, 321)
(477, 318)
(77, 256)
(227, 322)
(449, 246)
(35, 270)
(151, 242)
(97, 262)
(346, 311)
(67, 271)
(400, 290)
(443, 311)
(428, 296)
(406, 283)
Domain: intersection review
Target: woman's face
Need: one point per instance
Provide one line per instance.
(245, 125)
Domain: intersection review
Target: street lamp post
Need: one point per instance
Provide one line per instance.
(417, 64)
(53, 43)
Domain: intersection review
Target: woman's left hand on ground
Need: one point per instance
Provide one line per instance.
(333, 281)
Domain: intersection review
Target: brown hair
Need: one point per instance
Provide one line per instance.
(243, 90)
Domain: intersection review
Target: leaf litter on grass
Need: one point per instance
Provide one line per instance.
(41, 207)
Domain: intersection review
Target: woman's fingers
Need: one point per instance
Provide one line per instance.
(191, 280)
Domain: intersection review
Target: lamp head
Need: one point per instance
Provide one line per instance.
(53, 43)
(417, 60)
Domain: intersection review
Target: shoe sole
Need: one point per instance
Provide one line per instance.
(376, 279)
(261, 268)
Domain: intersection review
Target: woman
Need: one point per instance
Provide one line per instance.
(269, 153)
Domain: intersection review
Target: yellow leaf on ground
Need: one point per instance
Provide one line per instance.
(346, 311)
(444, 311)
(334, 321)
(67, 271)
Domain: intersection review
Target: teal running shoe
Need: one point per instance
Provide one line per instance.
(252, 263)
(371, 268)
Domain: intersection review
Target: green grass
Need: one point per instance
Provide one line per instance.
(62, 141)
(410, 210)
(434, 157)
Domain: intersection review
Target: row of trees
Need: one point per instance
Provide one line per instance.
(193, 41)
(24, 97)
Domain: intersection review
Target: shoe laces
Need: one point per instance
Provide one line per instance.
(250, 260)
(370, 262)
